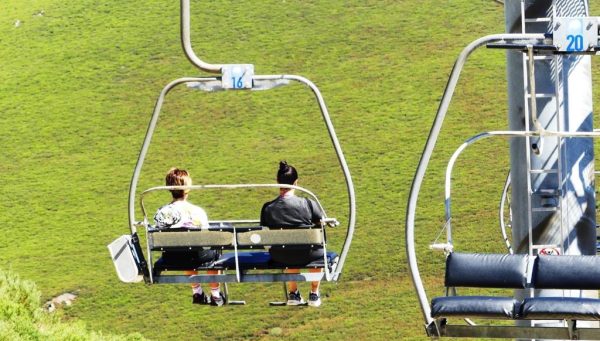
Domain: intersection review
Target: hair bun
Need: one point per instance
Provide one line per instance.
(283, 166)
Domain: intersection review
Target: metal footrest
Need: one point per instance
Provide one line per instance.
(533, 20)
(553, 192)
(284, 304)
(545, 209)
(541, 57)
(544, 171)
(522, 46)
(236, 302)
(546, 246)
(542, 95)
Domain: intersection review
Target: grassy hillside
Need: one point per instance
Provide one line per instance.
(22, 318)
(78, 81)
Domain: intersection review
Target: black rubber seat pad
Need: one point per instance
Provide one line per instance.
(567, 308)
(475, 306)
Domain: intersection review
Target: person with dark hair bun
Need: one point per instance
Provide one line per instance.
(291, 211)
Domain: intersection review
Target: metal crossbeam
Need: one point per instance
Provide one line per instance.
(517, 332)
(281, 277)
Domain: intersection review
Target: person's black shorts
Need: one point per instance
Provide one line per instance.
(298, 256)
(183, 257)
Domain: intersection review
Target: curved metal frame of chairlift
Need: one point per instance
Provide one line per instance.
(274, 80)
(505, 202)
(426, 156)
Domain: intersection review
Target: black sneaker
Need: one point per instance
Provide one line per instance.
(314, 300)
(294, 298)
(199, 299)
(218, 301)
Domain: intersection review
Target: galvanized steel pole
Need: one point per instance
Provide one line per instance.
(569, 76)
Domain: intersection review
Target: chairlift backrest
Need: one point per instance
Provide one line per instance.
(567, 272)
(281, 237)
(165, 239)
(486, 270)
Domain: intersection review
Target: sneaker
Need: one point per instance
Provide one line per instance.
(199, 299)
(218, 301)
(294, 298)
(314, 300)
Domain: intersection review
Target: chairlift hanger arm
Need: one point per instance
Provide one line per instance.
(186, 41)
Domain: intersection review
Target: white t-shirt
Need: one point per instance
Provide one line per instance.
(180, 214)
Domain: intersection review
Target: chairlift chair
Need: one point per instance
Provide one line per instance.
(508, 271)
(245, 240)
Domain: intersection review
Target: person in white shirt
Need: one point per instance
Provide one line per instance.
(180, 213)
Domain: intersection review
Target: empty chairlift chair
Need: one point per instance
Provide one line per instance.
(525, 272)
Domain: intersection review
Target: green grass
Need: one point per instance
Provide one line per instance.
(77, 87)
(22, 318)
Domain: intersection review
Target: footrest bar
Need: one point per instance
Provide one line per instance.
(516, 332)
(301, 277)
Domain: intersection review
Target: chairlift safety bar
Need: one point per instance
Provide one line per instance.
(478, 137)
(236, 186)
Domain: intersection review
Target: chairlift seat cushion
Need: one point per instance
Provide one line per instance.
(567, 272)
(262, 260)
(567, 308)
(474, 306)
(486, 270)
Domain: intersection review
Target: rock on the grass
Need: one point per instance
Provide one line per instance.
(64, 299)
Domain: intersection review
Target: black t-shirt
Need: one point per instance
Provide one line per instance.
(290, 211)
